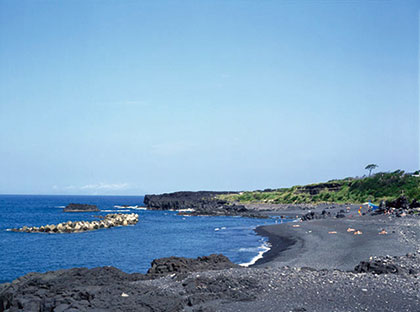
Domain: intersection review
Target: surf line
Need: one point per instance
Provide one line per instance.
(264, 248)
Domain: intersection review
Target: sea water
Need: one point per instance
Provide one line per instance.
(130, 248)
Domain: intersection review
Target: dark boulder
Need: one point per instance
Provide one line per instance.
(401, 265)
(376, 267)
(415, 204)
(315, 215)
(400, 202)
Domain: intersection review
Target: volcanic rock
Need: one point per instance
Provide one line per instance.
(80, 208)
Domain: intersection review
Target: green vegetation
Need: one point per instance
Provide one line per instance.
(380, 186)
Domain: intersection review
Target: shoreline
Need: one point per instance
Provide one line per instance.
(278, 245)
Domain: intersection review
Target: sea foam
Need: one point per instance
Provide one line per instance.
(262, 249)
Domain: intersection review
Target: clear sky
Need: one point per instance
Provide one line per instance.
(134, 97)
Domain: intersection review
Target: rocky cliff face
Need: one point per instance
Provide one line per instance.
(200, 203)
(183, 200)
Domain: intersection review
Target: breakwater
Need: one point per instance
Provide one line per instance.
(108, 221)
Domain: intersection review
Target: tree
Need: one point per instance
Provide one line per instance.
(371, 167)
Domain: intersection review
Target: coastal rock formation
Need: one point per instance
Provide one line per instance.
(165, 266)
(183, 200)
(201, 204)
(407, 264)
(400, 202)
(108, 221)
(234, 289)
(109, 289)
(80, 208)
(398, 207)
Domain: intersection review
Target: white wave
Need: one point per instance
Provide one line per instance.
(217, 229)
(262, 250)
(59, 206)
(221, 228)
(250, 249)
(186, 210)
(119, 210)
(130, 207)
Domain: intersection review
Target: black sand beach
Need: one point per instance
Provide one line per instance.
(311, 266)
(327, 244)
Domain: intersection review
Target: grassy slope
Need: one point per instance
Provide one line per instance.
(381, 186)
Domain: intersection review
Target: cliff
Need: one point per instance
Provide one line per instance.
(200, 203)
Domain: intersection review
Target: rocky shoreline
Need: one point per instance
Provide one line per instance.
(335, 258)
(213, 283)
(199, 204)
(108, 221)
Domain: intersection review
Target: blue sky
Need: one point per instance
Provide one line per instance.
(134, 97)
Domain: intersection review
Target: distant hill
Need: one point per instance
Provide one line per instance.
(381, 186)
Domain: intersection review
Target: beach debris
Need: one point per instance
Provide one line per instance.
(358, 233)
(332, 232)
(124, 294)
(296, 225)
(350, 230)
(383, 232)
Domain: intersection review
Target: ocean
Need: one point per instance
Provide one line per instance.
(131, 248)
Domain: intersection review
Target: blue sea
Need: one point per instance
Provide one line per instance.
(131, 248)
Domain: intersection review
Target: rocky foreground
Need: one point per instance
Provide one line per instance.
(108, 221)
(215, 284)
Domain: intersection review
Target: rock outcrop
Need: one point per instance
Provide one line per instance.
(80, 208)
(399, 207)
(109, 289)
(165, 266)
(199, 203)
(184, 200)
(407, 264)
(108, 221)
